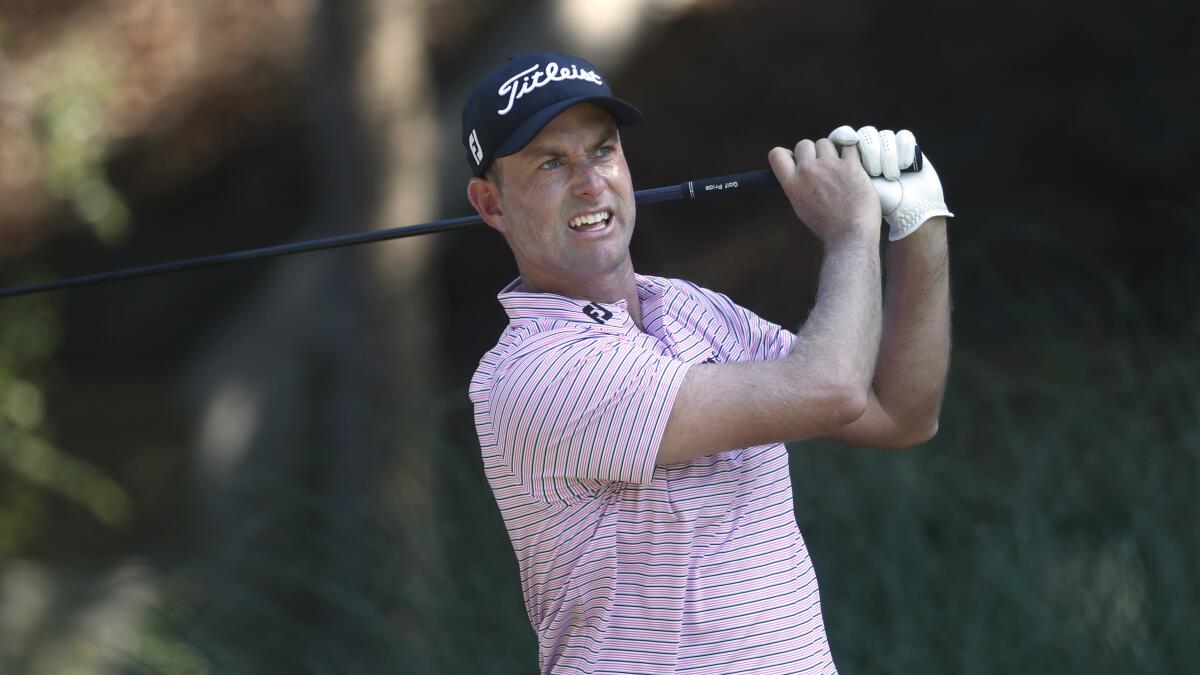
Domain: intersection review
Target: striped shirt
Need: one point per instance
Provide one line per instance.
(627, 567)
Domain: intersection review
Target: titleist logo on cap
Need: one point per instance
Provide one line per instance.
(533, 77)
(497, 123)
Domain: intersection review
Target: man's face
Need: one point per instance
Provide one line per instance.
(572, 172)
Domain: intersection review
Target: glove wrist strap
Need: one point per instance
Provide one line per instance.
(908, 219)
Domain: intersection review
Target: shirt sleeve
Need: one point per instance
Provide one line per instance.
(762, 339)
(579, 413)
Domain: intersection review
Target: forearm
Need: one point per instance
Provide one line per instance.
(841, 337)
(824, 383)
(914, 349)
(821, 386)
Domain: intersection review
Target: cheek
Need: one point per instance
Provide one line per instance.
(621, 181)
(537, 203)
(528, 231)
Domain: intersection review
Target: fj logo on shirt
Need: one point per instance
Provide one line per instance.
(597, 313)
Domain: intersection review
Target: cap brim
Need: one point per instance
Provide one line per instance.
(622, 112)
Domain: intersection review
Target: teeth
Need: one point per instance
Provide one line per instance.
(589, 219)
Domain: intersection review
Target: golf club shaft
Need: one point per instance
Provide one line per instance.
(692, 189)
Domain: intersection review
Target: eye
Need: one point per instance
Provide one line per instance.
(604, 151)
(550, 164)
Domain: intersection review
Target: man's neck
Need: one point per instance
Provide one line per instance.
(607, 289)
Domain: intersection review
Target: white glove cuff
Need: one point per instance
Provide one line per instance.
(906, 219)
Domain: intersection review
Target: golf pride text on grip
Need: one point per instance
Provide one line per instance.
(696, 189)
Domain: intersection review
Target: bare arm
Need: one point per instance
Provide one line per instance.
(822, 385)
(914, 352)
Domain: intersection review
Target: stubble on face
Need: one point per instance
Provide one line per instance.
(572, 172)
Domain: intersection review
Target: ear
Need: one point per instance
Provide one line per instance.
(485, 197)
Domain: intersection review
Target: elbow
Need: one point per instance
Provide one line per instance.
(926, 426)
(931, 430)
(847, 403)
(914, 435)
(923, 434)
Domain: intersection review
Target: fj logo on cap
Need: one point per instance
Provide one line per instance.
(476, 151)
(533, 77)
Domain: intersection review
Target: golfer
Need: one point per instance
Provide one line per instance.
(632, 426)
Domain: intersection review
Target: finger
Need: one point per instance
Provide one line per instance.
(844, 135)
(782, 162)
(906, 148)
(850, 155)
(868, 146)
(826, 149)
(805, 149)
(888, 159)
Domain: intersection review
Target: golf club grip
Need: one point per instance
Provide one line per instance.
(703, 187)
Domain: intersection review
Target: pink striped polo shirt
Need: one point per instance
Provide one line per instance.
(627, 567)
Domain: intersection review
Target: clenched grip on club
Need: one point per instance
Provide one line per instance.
(908, 186)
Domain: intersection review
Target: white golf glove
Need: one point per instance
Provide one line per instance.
(906, 199)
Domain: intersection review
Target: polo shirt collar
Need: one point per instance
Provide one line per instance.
(525, 305)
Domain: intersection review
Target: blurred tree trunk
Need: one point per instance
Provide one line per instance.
(324, 374)
(397, 103)
(383, 142)
(396, 99)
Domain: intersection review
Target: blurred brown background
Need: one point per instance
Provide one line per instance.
(271, 467)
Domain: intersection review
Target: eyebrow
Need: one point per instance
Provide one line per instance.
(550, 150)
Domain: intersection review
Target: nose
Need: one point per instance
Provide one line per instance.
(587, 182)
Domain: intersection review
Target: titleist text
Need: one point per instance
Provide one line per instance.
(531, 78)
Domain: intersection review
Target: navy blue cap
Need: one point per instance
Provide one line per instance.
(511, 104)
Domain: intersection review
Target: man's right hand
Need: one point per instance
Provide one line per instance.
(831, 193)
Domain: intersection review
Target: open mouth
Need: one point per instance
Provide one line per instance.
(591, 222)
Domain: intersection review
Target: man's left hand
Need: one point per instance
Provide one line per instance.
(906, 199)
